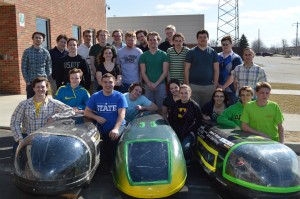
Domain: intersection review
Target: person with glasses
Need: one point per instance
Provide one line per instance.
(201, 69)
(84, 50)
(262, 116)
(73, 94)
(231, 116)
(137, 102)
(141, 36)
(228, 60)
(117, 36)
(218, 103)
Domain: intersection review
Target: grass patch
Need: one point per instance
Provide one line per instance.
(291, 136)
(285, 86)
(288, 103)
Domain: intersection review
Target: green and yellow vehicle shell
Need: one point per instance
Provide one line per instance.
(149, 160)
(247, 165)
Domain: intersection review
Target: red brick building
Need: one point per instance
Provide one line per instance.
(20, 18)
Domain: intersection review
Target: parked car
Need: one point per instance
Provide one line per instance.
(267, 54)
(259, 54)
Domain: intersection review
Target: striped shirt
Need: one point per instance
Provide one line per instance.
(176, 69)
(248, 76)
(25, 120)
(36, 62)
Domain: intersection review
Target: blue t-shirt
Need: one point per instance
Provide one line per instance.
(131, 112)
(107, 107)
(202, 69)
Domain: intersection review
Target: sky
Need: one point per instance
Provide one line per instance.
(272, 20)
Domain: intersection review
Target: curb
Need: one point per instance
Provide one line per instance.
(295, 146)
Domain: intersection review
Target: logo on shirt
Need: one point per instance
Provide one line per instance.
(106, 108)
(129, 59)
(181, 112)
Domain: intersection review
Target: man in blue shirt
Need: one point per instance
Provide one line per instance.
(107, 107)
(201, 69)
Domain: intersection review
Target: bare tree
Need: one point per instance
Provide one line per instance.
(284, 45)
(213, 43)
(258, 45)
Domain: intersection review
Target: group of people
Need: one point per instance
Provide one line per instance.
(112, 83)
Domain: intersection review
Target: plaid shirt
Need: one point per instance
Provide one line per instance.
(248, 76)
(36, 63)
(25, 119)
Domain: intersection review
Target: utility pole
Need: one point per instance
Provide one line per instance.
(258, 40)
(296, 47)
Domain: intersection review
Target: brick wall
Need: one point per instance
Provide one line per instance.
(14, 39)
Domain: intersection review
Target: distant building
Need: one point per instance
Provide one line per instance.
(19, 19)
(189, 25)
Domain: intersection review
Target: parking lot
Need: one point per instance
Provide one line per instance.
(198, 185)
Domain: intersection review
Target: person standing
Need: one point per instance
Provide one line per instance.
(177, 56)
(73, 94)
(228, 60)
(105, 65)
(59, 51)
(73, 60)
(154, 65)
(128, 61)
(35, 112)
(117, 36)
(84, 50)
(263, 117)
(249, 73)
(36, 62)
(201, 69)
(95, 50)
(141, 36)
(107, 107)
(170, 31)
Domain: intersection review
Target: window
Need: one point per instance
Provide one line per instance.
(76, 33)
(43, 25)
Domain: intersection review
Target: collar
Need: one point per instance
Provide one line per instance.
(230, 54)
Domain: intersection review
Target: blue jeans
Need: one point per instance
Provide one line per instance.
(16, 144)
(29, 91)
(187, 146)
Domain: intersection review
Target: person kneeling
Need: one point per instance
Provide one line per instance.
(185, 118)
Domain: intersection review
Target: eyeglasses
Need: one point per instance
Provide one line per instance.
(224, 44)
(116, 36)
(202, 37)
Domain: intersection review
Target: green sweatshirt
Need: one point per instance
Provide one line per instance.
(231, 115)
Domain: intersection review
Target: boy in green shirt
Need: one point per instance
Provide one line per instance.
(263, 117)
(231, 116)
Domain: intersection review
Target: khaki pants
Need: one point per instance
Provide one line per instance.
(202, 94)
